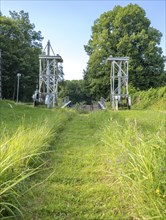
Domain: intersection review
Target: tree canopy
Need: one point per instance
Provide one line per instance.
(124, 31)
(75, 89)
(20, 45)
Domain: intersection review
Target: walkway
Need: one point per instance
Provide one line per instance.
(76, 189)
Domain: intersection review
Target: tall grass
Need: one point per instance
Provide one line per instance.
(109, 165)
(21, 149)
(136, 168)
(151, 99)
(17, 154)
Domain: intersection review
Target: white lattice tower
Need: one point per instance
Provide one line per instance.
(49, 75)
(118, 79)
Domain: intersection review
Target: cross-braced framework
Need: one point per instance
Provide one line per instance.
(50, 72)
(119, 81)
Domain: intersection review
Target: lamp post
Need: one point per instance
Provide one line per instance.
(18, 84)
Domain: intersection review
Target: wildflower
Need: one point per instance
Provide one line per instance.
(158, 191)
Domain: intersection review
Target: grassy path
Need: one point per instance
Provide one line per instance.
(119, 178)
(76, 189)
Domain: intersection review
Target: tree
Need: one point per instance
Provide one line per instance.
(21, 46)
(75, 89)
(124, 31)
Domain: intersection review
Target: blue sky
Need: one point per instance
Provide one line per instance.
(67, 24)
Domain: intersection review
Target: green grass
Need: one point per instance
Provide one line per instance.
(25, 139)
(137, 162)
(152, 99)
(103, 165)
(13, 115)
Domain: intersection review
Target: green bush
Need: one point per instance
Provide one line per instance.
(151, 99)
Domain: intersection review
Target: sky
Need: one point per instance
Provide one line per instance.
(67, 24)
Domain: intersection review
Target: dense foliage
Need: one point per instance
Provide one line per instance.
(76, 90)
(151, 99)
(124, 31)
(20, 45)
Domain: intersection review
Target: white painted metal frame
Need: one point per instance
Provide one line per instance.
(118, 79)
(49, 75)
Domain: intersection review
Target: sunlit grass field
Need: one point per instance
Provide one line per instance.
(25, 138)
(105, 165)
(102, 165)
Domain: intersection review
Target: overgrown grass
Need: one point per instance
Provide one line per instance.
(135, 167)
(17, 154)
(26, 136)
(151, 99)
(107, 165)
(103, 165)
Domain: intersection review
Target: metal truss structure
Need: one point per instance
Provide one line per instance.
(119, 82)
(50, 72)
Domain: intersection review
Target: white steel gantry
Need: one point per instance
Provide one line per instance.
(119, 82)
(50, 72)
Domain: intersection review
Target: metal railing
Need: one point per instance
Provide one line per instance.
(102, 103)
(64, 101)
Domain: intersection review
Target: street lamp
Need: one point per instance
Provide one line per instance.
(18, 83)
